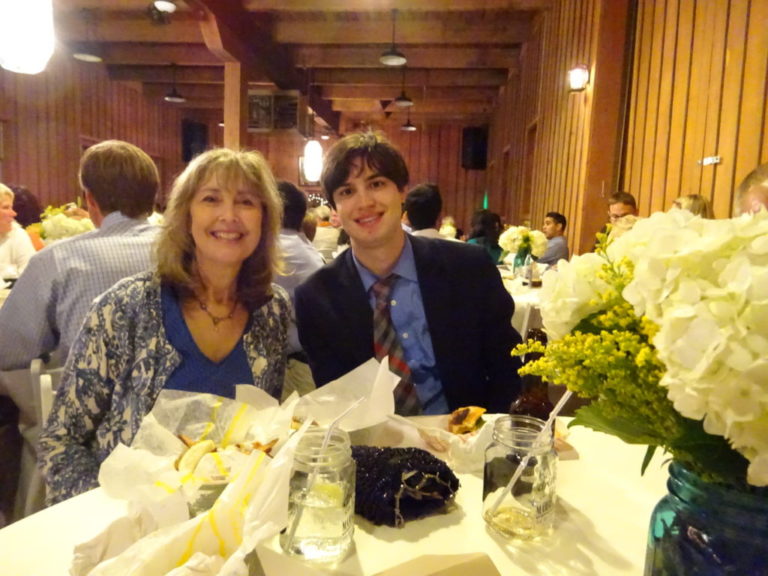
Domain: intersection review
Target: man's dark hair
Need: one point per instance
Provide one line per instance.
(423, 205)
(558, 218)
(294, 205)
(622, 198)
(373, 149)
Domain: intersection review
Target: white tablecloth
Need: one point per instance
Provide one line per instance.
(527, 302)
(603, 512)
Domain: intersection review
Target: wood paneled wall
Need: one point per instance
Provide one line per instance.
(50, 117)
(700, 81)
(540, 132)
(697, 87)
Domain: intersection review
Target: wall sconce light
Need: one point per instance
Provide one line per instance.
(578, 78)
(312, 166)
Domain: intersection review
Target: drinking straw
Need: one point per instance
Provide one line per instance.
(524, 462)
(311, 480)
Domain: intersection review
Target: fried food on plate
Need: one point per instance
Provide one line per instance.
(466, 420)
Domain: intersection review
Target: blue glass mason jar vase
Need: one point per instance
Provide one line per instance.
(705, 529)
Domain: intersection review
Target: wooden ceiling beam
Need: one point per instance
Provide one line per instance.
(70, 26)
(132, 53)
(427, 107)
(276, 60)
(415, 77)
(190, 91)
(502, 29)
(184, 75)
(313, 56)
(338, 92)
(404, 5)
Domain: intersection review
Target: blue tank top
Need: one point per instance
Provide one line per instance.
(198, 373)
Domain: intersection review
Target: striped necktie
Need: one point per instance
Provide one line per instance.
(385, 343)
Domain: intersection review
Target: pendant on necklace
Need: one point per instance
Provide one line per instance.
(216, 319)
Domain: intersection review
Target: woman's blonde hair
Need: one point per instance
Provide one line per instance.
(175, 250)
(695, 204)
(6, 192)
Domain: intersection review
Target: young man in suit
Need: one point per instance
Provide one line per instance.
(450, 311)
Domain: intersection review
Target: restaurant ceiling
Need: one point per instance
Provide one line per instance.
(459, 52)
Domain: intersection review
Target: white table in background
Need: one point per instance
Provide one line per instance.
(601, 529)
(527, 301)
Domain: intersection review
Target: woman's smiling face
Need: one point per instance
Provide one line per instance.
(226, 220)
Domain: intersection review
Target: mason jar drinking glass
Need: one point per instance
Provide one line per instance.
(526, 511)
(321, 500)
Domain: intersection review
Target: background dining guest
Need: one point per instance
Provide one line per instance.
(557, 245)
(486, 228)
(695, 204)
(421, 210)
(326, 232)
(300, 260)
(27, 206)
(28, 211)
(207, 318)
(15, 245)
(752, 192)
(53, 295)
(446, 324)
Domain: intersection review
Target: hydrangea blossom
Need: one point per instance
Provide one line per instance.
(705, 284)
(515, 238)
(689, 297)
(60, 226)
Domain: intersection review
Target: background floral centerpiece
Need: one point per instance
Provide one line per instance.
(520, 241)
(666, 330)
(59, 222)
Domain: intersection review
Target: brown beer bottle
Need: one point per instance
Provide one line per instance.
(534, 397)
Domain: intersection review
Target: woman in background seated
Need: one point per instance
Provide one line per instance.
(28, 211)
(206, 319)
(15, 245)
(486, 228)
(695, 204)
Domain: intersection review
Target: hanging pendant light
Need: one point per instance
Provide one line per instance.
(26, 35)
(174, 96)
(313, 160)
(89, 50)
(408, 126)
(392, 56)
(312, 166)
(403, 101)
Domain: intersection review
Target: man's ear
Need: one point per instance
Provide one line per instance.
(93, 208)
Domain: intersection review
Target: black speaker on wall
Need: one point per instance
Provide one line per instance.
(194, 139)
(474, 147)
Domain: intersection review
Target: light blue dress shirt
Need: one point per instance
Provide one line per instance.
(410, 322)
(48, 303)
(301, 260)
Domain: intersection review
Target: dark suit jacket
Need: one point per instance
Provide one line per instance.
(468, 312)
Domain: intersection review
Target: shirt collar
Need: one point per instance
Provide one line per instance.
(116, 217)
(405, 267)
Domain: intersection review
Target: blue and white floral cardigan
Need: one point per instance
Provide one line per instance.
(118, 365)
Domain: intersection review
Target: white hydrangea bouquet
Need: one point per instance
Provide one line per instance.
(516, 239)
(666, 330)
(62, 222)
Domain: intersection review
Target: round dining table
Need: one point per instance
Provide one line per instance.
(603, 509)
